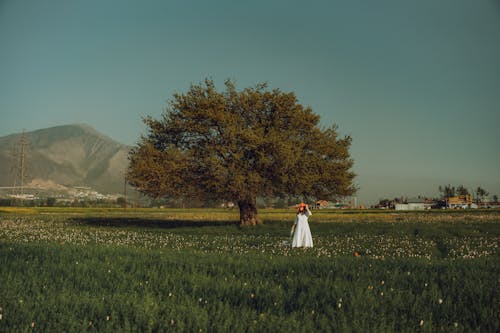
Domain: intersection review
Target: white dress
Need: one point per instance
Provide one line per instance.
(302, 234)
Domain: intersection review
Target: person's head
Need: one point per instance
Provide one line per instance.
(302, 208)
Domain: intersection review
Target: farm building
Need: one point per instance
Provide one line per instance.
(320, 204)
(412, 204)
(461, 201)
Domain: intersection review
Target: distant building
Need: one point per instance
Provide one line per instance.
(227, 204)
(461, 201)
(24, 196)
(412, 204)
(320, 204)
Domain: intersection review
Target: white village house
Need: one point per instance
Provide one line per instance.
(413, 204)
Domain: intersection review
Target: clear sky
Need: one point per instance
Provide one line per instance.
(415, 83)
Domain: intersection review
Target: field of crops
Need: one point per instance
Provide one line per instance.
(198, 271)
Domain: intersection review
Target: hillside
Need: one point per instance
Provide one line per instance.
(69, 155)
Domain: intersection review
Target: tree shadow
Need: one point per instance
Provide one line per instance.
(136, 222)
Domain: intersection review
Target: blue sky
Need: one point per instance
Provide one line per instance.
(415, 83)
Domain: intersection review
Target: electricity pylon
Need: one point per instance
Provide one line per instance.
(20, 164)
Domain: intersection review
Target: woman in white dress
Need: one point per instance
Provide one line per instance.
(300, 228)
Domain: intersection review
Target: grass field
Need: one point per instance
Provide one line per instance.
(111, 270)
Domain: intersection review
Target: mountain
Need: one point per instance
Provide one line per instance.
(65, 156)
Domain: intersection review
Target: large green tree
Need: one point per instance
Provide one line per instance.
(237, 145)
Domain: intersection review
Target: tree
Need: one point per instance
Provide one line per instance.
(447, 191)
(481, 193)
(235, 145)
(121, 201)
(51, 201)
(461, 190)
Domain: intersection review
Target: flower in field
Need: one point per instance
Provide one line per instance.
(440, 301)
(0, 316)
(382, 282)
(32, 324)
(169, 294)
(252, 295)
(421, 322)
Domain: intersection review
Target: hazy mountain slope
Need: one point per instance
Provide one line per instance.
(70, 155)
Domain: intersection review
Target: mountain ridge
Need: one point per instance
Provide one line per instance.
(66, 155)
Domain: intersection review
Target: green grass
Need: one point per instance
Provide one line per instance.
(175, 271)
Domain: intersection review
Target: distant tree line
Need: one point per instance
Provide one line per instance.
(262, 202)
(53, 202)
(448, 191)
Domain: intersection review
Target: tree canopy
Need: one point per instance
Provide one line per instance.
(237, 145)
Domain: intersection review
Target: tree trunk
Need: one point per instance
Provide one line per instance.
(248, 212)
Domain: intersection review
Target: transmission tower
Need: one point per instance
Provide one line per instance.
(20, 164)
